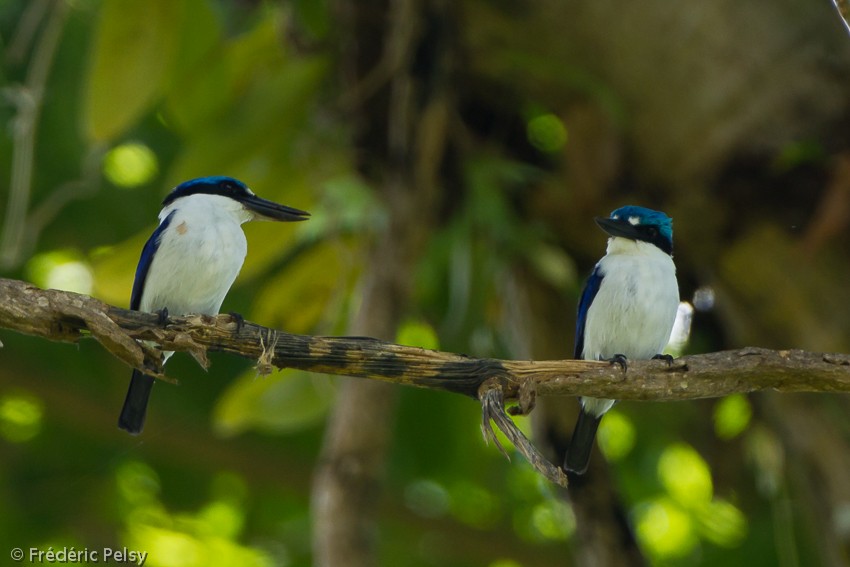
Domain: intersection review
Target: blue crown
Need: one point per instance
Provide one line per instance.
(646, 217)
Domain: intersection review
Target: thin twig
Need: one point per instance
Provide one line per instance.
(492, 398)
(28, 99)
(25, 31)
(86, 185)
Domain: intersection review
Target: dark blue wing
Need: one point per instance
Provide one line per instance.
(591, 288)
(145, 262)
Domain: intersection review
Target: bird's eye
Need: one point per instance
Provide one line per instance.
(652, 231)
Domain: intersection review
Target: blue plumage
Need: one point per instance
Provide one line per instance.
(591, 288)
(627, 308)
(191, 260)
(145, 262)
(648, 217)
(211, 185)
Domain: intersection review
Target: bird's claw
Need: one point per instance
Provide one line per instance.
(621, 360)
(526, 400)
(665, 357)
(162, 316)
(238, 319)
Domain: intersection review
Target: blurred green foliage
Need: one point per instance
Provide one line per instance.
(154, 92)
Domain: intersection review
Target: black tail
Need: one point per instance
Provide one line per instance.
(578, 455)
(132, 418)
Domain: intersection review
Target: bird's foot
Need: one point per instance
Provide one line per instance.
(162, 316)
(526, 400)
(621, 360)
(665, 357)
(238, 319)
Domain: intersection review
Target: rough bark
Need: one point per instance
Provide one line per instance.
(69, 317)
(358, 435)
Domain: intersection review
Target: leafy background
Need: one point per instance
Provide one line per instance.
(563, 112)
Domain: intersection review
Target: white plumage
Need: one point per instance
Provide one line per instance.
(627, 308)
(634, 310)
(191, 260)
(199, 255)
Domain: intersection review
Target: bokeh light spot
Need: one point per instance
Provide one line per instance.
(553, 520)
(427, 498)
(20, 417)
(60, 269)
(417, 333)
(221, 519)
(474, 505)
(616, 436)
(685, 475)
(130, 165)
(732, 416)
(167, 547)
(137, 483)
(704, 298)
(723, 524)
(765, 450)
(547, 133)
(665, 530)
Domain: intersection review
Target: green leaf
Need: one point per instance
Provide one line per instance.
(285, 402)
(269, 112)
(135, 45)
(201, 87)
(316, 285)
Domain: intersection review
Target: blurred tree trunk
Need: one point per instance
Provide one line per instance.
(394, 60)
(603, 534)
(730, 117)
(705, 110)
(815, 458)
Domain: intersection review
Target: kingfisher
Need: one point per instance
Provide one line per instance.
(627, 308)
(191, 260)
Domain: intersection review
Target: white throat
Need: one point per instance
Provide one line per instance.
(208, 208)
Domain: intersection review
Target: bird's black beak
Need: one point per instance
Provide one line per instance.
(620, 227)
(273, 211)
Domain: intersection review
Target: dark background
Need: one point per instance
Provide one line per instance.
(453, 155)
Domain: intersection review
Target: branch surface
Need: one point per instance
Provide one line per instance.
(66, 316)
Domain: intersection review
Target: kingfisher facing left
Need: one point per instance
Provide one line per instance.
(191, 260)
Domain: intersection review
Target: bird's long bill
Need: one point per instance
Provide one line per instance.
(273, 211)
(619, 227)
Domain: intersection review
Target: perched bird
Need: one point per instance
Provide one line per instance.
(627, 308)
(191, 260)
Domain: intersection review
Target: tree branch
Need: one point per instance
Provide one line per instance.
(66, 316)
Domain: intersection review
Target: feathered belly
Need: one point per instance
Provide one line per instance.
(635, 320)
(192, 273)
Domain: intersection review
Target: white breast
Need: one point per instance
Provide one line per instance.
(199, 256)
(634, 310)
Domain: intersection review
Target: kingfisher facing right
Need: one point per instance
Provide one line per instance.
(627, 308)
(191, 260)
